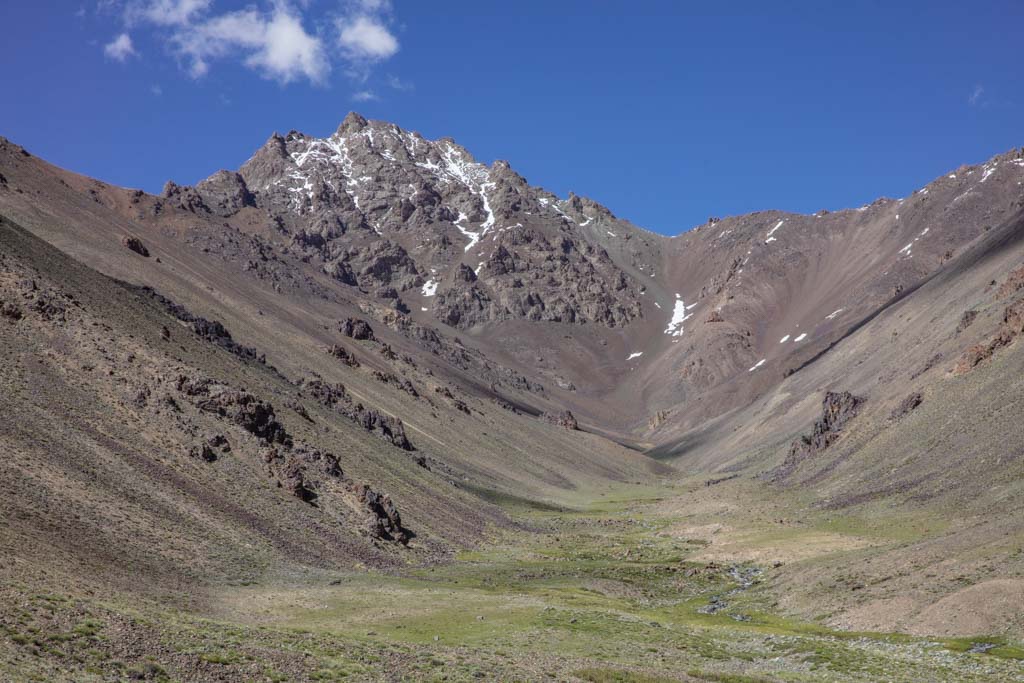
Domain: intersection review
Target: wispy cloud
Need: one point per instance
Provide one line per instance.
(974, 99)
(272, 37)
(166, 12)
(398, 84)
(364, 36)
(120, 48)
(156, 89)
(365, 96)
(276, 44)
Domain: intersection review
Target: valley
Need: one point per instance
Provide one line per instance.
(369, 409)
(614, 588)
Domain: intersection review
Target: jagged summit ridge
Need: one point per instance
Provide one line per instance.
(389, 211)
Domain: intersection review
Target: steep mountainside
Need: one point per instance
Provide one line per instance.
(360, 350)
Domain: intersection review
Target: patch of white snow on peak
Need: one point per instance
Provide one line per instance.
(458, 167)
(635, 354)
(473, 237)
(768, 238)
(430, 288)
(611, 234)
(586, 222)
(833, 314)
(679, 316)
(756, 365)
(925, 232)
(988, 170)
(784, 339)
(800, 338)
(906, 249)
(424, 309)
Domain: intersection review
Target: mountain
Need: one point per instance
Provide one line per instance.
(372, 351)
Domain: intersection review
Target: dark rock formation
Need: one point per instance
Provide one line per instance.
(563, 419)
(357, 329)
(1013, 284)
(1011, 328)
(400, 383)
(907, 405)
(245, 410)
(388, 428)
(344, 355)
(135, 244)
(212, 331)
(11, 312)
(335, 397)
(383, 519)
(965, 320)
(837, 409)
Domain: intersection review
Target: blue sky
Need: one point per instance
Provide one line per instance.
(666, 112)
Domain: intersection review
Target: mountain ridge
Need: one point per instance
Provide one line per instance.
(275, 388)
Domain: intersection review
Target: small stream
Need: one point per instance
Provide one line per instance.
(745, 577)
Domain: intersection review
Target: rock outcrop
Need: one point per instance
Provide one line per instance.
(357, 329)
(564, 419)
(837, 409)
(135, 244)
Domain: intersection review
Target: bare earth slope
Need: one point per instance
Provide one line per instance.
(364, 350)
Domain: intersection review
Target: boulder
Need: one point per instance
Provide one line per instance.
(564, 419)
(136, 245)
(357, 329)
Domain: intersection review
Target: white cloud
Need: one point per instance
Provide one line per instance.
(365, 38)
(365, 96)
(375, 5)
(276, 45)
(156, 89)
(975, 96)
(398, 84)
(268, 36)
(120, 48)
(167, 12)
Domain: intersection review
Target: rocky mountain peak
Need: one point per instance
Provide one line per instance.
(352, 123)
(387, 210)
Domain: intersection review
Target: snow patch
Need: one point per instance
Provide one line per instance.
(679, 316)
(430, 288)
(756, 365)
(784, 339)
(635, 354)
(833, 314)
(802, 336)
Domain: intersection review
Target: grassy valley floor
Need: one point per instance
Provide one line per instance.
(622, 584)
